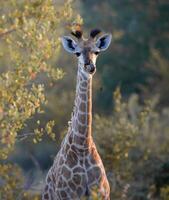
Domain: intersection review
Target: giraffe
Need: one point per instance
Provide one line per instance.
(77, 167)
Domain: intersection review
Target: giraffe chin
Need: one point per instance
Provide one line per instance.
(92, 72)
(89, 73)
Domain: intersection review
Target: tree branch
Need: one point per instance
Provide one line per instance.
(7, 32)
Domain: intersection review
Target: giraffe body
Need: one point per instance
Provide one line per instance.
(78, 168)
(78, 173)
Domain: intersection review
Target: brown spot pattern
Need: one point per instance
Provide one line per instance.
(76, 167)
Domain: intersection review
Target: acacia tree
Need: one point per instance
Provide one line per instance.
(29, 40)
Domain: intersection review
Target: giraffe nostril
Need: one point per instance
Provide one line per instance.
(92, 69)
(87, 63)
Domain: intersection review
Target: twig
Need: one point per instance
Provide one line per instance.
(7, 32)
(18, 137)
(24, 136)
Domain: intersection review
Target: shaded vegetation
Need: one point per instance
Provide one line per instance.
(133, 142)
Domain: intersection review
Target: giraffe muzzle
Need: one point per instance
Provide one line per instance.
(90, 68)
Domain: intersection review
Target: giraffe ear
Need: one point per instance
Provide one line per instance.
(104, 41)
(69, 44)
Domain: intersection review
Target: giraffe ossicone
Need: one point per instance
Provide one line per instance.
(77, 167)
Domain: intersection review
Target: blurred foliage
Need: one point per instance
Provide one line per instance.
(138, 28)
(165, 193)
(29, 34)
(12, 184)
(159, 65)
(29, 41)
(11, 181)
(133, 143)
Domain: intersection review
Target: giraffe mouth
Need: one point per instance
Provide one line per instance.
(91, 69)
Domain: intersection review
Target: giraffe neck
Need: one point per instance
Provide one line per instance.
(82, 116)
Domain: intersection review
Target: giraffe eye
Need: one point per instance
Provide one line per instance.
(78, 54)
(96, 52)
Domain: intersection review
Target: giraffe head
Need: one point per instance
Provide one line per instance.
(87, 50)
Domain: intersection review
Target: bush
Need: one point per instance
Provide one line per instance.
(133, 144)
